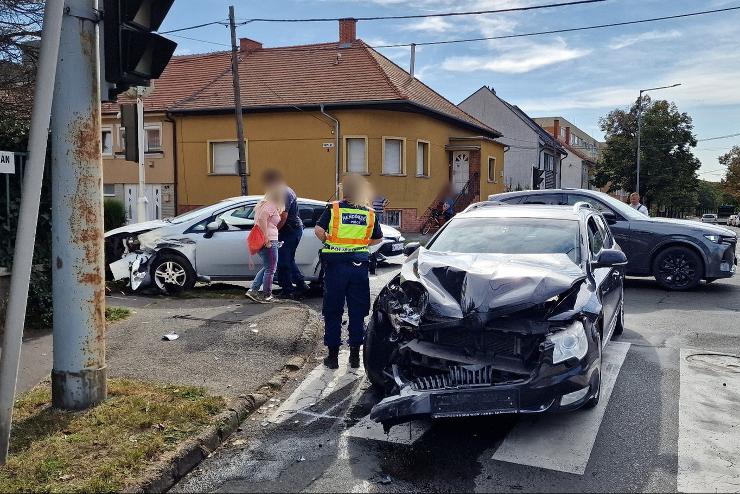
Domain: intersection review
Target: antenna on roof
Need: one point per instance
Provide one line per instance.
(413, 60)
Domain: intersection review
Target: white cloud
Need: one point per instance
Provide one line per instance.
(518, 58)
(433, 25)
(630, 39)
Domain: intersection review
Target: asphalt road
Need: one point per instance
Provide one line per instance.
(667, 423)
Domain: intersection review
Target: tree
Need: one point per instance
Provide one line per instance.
(709, 196)
(668, 166)
(731, 182)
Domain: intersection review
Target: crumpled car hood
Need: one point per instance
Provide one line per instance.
(462, 284)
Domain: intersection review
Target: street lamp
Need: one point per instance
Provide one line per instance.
(639, 127)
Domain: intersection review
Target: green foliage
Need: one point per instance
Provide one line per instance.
(709, 196)
(115, 314)
(731, 182)
(668, 166)
(114, 214)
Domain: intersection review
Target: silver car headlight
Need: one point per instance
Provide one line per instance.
(712, 237)
(570, 342)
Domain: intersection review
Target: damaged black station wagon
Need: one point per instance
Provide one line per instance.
(506, 310)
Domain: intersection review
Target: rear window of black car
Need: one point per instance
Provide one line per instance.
(510, 236)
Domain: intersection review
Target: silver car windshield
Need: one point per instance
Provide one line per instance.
(195, 213)
(624, 209)
(510, 236)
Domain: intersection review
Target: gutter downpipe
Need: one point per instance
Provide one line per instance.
(336, 147)
(169, 118)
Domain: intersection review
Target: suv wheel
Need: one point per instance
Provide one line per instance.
(172, 274)
(376, 352)
(594, 400)
(677, 268)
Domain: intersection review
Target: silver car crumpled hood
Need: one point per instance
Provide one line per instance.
(462, 284)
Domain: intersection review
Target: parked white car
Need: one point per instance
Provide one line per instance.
(733, 220)
(210, 244)
(709, 218)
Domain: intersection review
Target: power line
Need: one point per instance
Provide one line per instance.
(200, 40)
(720, 137)
(424, 16)
(222, 22)
(557, 31)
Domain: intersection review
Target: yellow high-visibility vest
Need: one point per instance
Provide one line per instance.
(350, 229)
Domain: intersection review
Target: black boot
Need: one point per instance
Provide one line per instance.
(332, 360)
(354, 357)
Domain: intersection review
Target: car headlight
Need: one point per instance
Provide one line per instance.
(570, 342)
(712, 237)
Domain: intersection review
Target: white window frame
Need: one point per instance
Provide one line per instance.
(491, 173)
(345, 153)
(209, 170)
(427, 159)
(402, 170)
(105, 194)
(386, 216)
(109, 129)
(157, 126)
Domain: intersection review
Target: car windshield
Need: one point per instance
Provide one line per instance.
(195, 213)
(510, 236)
(620, 207)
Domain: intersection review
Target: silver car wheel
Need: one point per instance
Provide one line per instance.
(170, 273)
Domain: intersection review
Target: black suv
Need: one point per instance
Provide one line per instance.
(506, 310)
(678, 253)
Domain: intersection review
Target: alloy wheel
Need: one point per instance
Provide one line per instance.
(170, 273)
(677, 270)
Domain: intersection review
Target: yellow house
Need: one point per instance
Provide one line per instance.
(318, 111)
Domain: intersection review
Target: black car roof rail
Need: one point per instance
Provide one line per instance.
(582, 204)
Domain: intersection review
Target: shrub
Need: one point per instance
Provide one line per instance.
(114, 214)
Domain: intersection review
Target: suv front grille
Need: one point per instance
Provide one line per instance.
(457, 376)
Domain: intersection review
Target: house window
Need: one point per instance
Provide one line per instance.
(422, 159)
(492, 169)
(106, 141)
(153, 139)
(224, 158)
(393, 152)
(109, 190)
(549, 162)
(355, 158)
(393, 217)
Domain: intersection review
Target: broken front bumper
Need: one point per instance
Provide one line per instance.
(135, 267)
(542, 391)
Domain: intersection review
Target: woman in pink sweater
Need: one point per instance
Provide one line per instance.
(266, 217)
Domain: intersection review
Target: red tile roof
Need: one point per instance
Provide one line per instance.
(304, 76)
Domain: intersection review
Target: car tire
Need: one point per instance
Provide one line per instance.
(376, 352)
(172, 274)
(678, 268)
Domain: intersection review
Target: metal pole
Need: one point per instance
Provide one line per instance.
(142, 199)
(238, 105)
(29, 211)
(412, 62)
(639, 130)
(78, 375)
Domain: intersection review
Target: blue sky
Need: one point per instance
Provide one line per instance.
(580, 76)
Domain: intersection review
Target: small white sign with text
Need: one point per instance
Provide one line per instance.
(7, 162)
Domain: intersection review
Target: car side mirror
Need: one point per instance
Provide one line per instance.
(609, 216)
(410, 248)
(212, 227)
(609, 258)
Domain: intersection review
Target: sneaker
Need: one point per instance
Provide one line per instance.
(254, 295)
(267, 299)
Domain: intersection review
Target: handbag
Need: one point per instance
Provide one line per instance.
(256, 240)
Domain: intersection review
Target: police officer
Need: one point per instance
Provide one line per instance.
(347, 228)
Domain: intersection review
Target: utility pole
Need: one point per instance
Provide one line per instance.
(142, 200)
(639, 128)
(26, 234)
(238, 105)
(78, 378)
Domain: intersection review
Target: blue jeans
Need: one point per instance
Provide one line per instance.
(269, 257)
(287, 270)
(345, 281)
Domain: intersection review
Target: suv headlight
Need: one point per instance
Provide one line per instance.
(570, 342)
(712, 237)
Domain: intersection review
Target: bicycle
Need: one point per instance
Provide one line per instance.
(436, 220)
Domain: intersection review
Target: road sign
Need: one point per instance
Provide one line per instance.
(7, 162)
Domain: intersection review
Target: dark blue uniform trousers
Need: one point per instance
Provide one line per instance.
(345, 280)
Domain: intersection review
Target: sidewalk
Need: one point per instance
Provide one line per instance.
(36, 360)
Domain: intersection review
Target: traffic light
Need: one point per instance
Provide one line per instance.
(130, 122)
(133, 53)
(537, 177)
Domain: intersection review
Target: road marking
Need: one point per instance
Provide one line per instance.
(563, 442)
(320, 383)
(407, 433)
(708, 423)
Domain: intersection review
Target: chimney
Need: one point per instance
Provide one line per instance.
(247, 45)
(347, 30)
(556, 128)
(567, 135)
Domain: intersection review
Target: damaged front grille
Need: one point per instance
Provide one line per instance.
(481, 375)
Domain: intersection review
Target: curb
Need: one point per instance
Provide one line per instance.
(178, 463)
